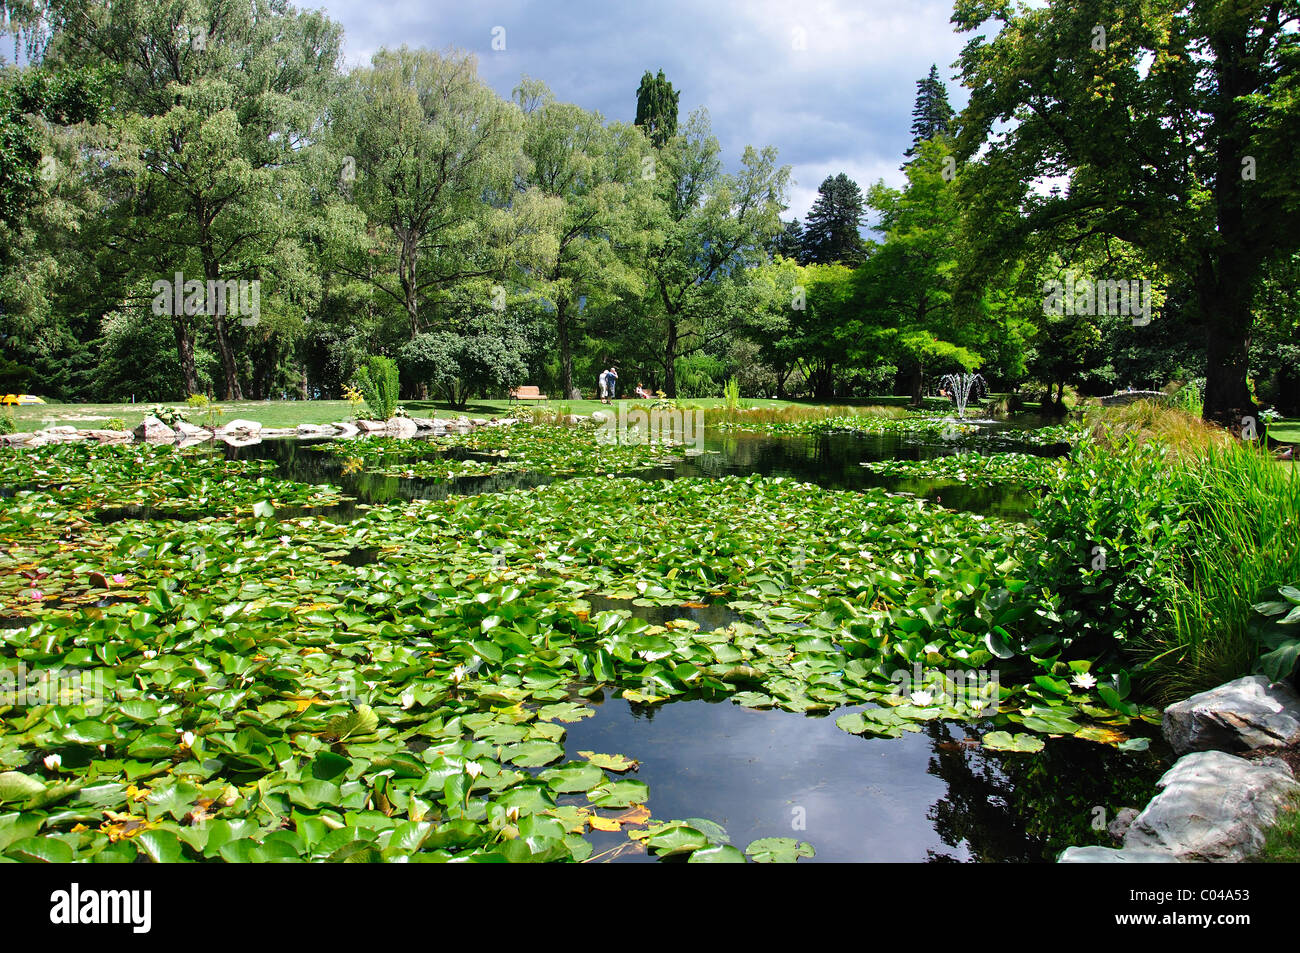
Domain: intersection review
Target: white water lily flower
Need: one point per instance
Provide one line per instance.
(53, 761)
(150, 653)
(473, 769)
(188, 739)
(458, 674)
(408, 700)
(1084, 680)
(922, 699)
(284, 540)
(512, 814)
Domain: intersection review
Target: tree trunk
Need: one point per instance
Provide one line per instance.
(408, 258)
(917, 382)
(185, 351)
(670, 358)
(1228, 273)
(566, 349)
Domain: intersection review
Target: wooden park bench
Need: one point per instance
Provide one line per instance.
(527, 392)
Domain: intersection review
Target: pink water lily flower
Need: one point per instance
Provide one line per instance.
(37, 595)
(119, 578)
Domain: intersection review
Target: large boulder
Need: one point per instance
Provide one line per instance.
(154, 430)
(401, 427)
(1213, 807)
(423, 423)
(372, 426)
(17, 439)
(239, 428)
(345, 428)
(1112, 855)
(191, 432)
(110, 436)
(1239, 716)
(314, 430)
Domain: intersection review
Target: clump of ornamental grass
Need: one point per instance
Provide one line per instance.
(1242, 520)
(1150, 421)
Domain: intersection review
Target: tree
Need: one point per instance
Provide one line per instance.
(594, 174)
(434, 153)
(789, 242)
(708, 227)
(1176, 123)
(931, 116)
(213, 106)
(656, 108)
(909, 282)
(831, 234)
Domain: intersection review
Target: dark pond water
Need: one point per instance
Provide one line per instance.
(929, 797)
(828, 460)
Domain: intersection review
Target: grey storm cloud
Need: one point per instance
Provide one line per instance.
(830, 84)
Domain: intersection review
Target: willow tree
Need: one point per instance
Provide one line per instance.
(434, 153)
(595, 171)
(1176, 124)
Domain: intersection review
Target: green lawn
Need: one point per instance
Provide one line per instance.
(290, 413)
(1287, 430)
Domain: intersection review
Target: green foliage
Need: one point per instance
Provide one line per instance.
(378, 381)
(1282, 843)
(1109, 537)
(699, 375)
(7, 424)
(1279, 631)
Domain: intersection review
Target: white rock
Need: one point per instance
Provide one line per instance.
(423, 423)
(1214, 806)
(372, 426)
(239, 426)
(1112, 855)
(17, 439)
(62, 429)
(242, 440)
(401, 427)
(109, 436)
(479, 421)
(154, 430)
(344, 429)
(1242, 715)
(189, 431)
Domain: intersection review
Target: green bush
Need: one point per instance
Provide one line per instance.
(7, 424)
(1109, 535)
(377, 380)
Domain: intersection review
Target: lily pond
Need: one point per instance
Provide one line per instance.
(523, 643)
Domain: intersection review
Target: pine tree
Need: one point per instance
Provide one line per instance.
(789, 242)
(932, 115)
(831, 233)
(656, 108)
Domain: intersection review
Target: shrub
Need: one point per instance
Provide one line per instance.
(1109, 536)
(115, 423)
(7, 424)
(377, 380)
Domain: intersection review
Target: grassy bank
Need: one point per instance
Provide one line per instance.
(290, 413)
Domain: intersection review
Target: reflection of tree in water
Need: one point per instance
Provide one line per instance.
(1008, 807)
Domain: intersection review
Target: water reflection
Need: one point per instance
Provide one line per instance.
(929, 797)
(827, 460)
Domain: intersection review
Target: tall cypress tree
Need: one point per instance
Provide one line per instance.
(931, 115)
(831, 233)
(656, 108)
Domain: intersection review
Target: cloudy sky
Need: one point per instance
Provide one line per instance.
(830, 84)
